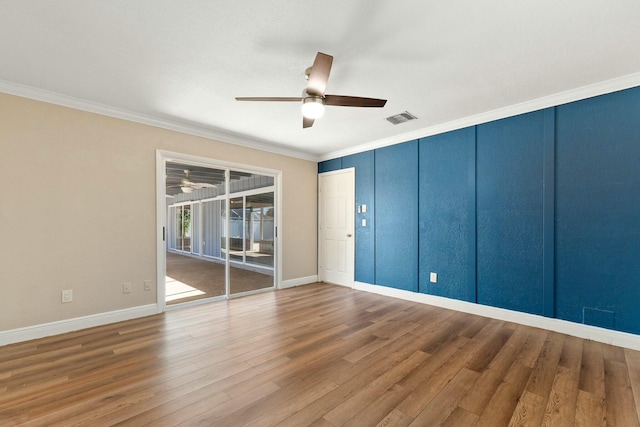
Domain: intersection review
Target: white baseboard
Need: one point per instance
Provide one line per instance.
(69, 325)
(607, 336)
(297, 282)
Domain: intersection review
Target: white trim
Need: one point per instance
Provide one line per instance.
(161, 224)
(298, 282)
(584, 92)
(216, 134)
(181, 305)
(607, 336)
(69, 325)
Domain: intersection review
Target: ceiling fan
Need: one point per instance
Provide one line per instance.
(187, 186)
(313, 97)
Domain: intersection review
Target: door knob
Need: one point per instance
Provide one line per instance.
(349, 235)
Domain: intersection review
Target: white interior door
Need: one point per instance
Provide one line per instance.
(336, 200)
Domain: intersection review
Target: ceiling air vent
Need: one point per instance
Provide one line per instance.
(401, 118)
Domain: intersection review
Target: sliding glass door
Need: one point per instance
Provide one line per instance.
(221, 233)
(254, 230)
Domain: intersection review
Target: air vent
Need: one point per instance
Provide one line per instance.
(401, 118)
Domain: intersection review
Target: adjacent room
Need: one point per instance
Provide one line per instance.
(287, 213)
(196, 267)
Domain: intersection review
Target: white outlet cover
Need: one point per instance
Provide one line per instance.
(67, 295)
(433, 277)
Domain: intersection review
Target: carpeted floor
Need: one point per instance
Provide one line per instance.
(190, 278)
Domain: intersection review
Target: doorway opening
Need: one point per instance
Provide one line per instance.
(220, 227)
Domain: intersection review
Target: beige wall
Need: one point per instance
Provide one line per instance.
(78, 209)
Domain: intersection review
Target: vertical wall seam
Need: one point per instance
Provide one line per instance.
(418, 216)
(548, 213)
(373, 217)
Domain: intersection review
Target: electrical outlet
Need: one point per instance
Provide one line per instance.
(126, 288)
(433, 277)
(67, 296)
(147, 285)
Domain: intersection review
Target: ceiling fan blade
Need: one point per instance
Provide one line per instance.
(353, 101)
(306, 122)
(270, 99)
(319, 74)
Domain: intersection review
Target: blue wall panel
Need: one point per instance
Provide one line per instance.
(330, 165)
(445, 213)
(365, 236)
(509, 213)
(396, 233)
(598, 211)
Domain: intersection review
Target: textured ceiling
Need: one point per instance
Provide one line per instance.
(183, 62)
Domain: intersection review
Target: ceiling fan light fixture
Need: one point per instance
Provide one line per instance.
(186, 189)
(313, 107)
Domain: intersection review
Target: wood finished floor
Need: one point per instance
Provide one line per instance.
(208, 278)
(317, 355)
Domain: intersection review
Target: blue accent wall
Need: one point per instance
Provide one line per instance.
(509, 212)
(537, 213)
(444, 226)
(598, 211)
(330, 165)
(396, 218)
(364, 164)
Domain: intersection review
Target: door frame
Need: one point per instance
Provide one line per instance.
(162, 157)
(352, 206)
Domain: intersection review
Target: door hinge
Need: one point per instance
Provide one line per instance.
(163, 234)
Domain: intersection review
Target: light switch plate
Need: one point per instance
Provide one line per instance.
(364, 208)
(433, 277)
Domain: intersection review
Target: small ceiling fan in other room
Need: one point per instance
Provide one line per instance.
(187, 186)
(313, 97)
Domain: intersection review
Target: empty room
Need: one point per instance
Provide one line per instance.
(278, 213)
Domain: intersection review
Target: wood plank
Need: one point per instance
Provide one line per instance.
(380, 408)
(544, 370)
(478, 397)
(633, 365)
(460, 417)
(590, 410)
(561, 405)
(619, 401)
(502, 405)
(529, 410)
(443, 404)
(395, 418)
(592, 372)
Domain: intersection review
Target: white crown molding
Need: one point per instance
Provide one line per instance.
(24, 91)
(607, 336)
(75, 324)
(584, 92)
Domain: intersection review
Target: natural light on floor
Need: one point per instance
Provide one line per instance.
(177, 290)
